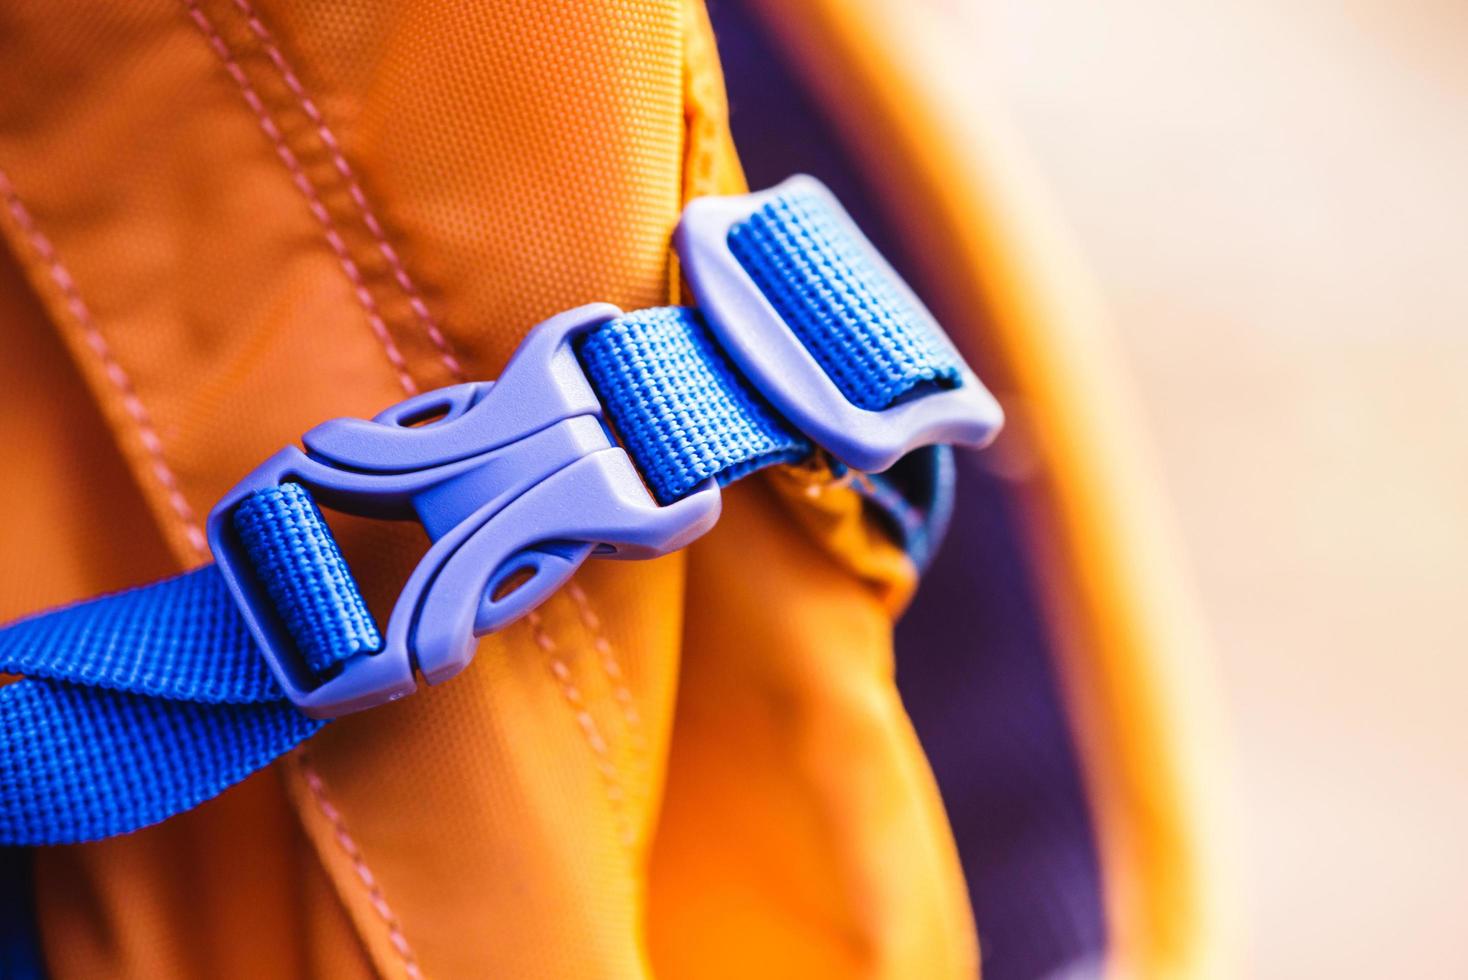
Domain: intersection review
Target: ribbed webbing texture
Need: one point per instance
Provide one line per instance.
(181, 638)
(678, 405)
(79, 763)
(296, 556)
(849, 312)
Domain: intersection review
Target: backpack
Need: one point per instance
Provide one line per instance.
(230, 220)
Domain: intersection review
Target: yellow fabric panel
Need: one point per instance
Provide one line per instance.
(243, 218)
(1135, 668)
(803, 835)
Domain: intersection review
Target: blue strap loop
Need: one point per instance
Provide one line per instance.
(297, 557)
(850, 314)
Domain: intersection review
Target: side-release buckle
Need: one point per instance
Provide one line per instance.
(516, 482)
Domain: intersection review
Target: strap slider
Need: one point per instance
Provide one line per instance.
(516, 482)
(824, 327)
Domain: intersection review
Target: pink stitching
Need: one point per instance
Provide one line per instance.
(147, 434)
(609, 665)
(611, 782)
(313, 199)
(369, 880)
(354, 189)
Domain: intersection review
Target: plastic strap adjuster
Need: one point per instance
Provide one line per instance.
(830, 281)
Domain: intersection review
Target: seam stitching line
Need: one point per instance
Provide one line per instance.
(317, 785)
(314, 782)
(611, 782)
(354, 189)
(142, 419)
(611, 666)
(375, 897)
(313, 199)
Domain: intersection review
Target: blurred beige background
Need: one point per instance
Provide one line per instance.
(1275, 199)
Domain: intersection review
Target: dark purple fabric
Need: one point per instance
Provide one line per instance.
(975, 663)
(20, 940)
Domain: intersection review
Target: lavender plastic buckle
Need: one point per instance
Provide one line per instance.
(774, 358)
(516, 481)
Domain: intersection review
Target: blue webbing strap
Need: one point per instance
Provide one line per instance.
(79, 763)
(180, 638)
(681, 410)
(138, 705)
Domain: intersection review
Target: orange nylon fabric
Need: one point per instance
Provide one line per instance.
(236, 218)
